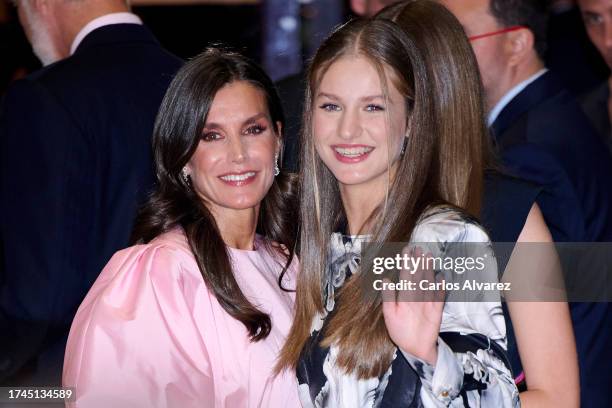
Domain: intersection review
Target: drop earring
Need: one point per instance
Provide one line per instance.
(276, 169)
(404, 146)
(185, 177)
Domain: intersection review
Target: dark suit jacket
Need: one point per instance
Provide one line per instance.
(75, 163)
(544, 137)
(595, 106)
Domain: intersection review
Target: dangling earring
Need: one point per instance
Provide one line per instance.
(276, 169)
(404, 145)
(185, 177)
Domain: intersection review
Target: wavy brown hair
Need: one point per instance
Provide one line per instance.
(443, 163)
(177, 132)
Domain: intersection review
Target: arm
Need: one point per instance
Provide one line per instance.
(545, 339)
(135, 340)
(443, 371)
(46, 224)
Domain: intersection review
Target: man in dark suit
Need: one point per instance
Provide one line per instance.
(75, 163)
(544, 137)
(597, 16)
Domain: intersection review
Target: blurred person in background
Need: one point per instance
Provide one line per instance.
(597, 104)
(75, 146)
(544, 137)
(569, 52)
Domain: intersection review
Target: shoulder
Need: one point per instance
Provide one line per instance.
(448, 224)
(28, 89)
(99, 69)
(595, 96)
(146, 274)
(167, 256)
(557, 120)
(274, 251)
(31, 104)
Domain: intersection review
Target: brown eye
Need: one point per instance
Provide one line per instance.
(255, 130)
(211, 136)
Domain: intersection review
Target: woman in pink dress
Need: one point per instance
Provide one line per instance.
(195, 313)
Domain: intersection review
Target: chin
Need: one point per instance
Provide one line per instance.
(243, 203)
(352, 177)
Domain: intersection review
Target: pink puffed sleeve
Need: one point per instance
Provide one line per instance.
(133, 342)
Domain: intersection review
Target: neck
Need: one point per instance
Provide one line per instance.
(516, 75)
(360, 201)
(81, 13)
(237, 227)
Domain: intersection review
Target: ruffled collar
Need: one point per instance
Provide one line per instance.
(343, 261)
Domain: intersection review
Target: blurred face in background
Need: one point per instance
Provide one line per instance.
(233, 165)
(358, 133)
(39, 30)
(491, 52)
(597, 16)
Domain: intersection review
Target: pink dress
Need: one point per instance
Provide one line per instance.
(150, 334)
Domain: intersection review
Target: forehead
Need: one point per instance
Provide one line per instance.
(356, 74)
(346, 69)
(236, 100)
(596, 5)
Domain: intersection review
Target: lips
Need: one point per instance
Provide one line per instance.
(352, 153)
(238, 179)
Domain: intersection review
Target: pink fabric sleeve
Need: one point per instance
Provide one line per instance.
(136, 308)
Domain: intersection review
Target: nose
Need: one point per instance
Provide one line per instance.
(350, 125)
(238, 150)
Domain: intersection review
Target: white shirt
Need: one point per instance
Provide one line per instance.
(108, 19)
(505, 100)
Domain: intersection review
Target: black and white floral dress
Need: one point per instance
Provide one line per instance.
(476, 378)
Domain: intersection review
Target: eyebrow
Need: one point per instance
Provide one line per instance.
(327, 95)
(334, 97)
(247, 121)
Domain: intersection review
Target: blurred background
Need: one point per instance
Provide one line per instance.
(282, 34)
(279, 34)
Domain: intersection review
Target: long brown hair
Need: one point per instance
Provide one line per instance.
(177, 132)
(442, 164)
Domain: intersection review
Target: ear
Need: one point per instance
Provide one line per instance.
(359, 7)
(520, 46)
(41, 6)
